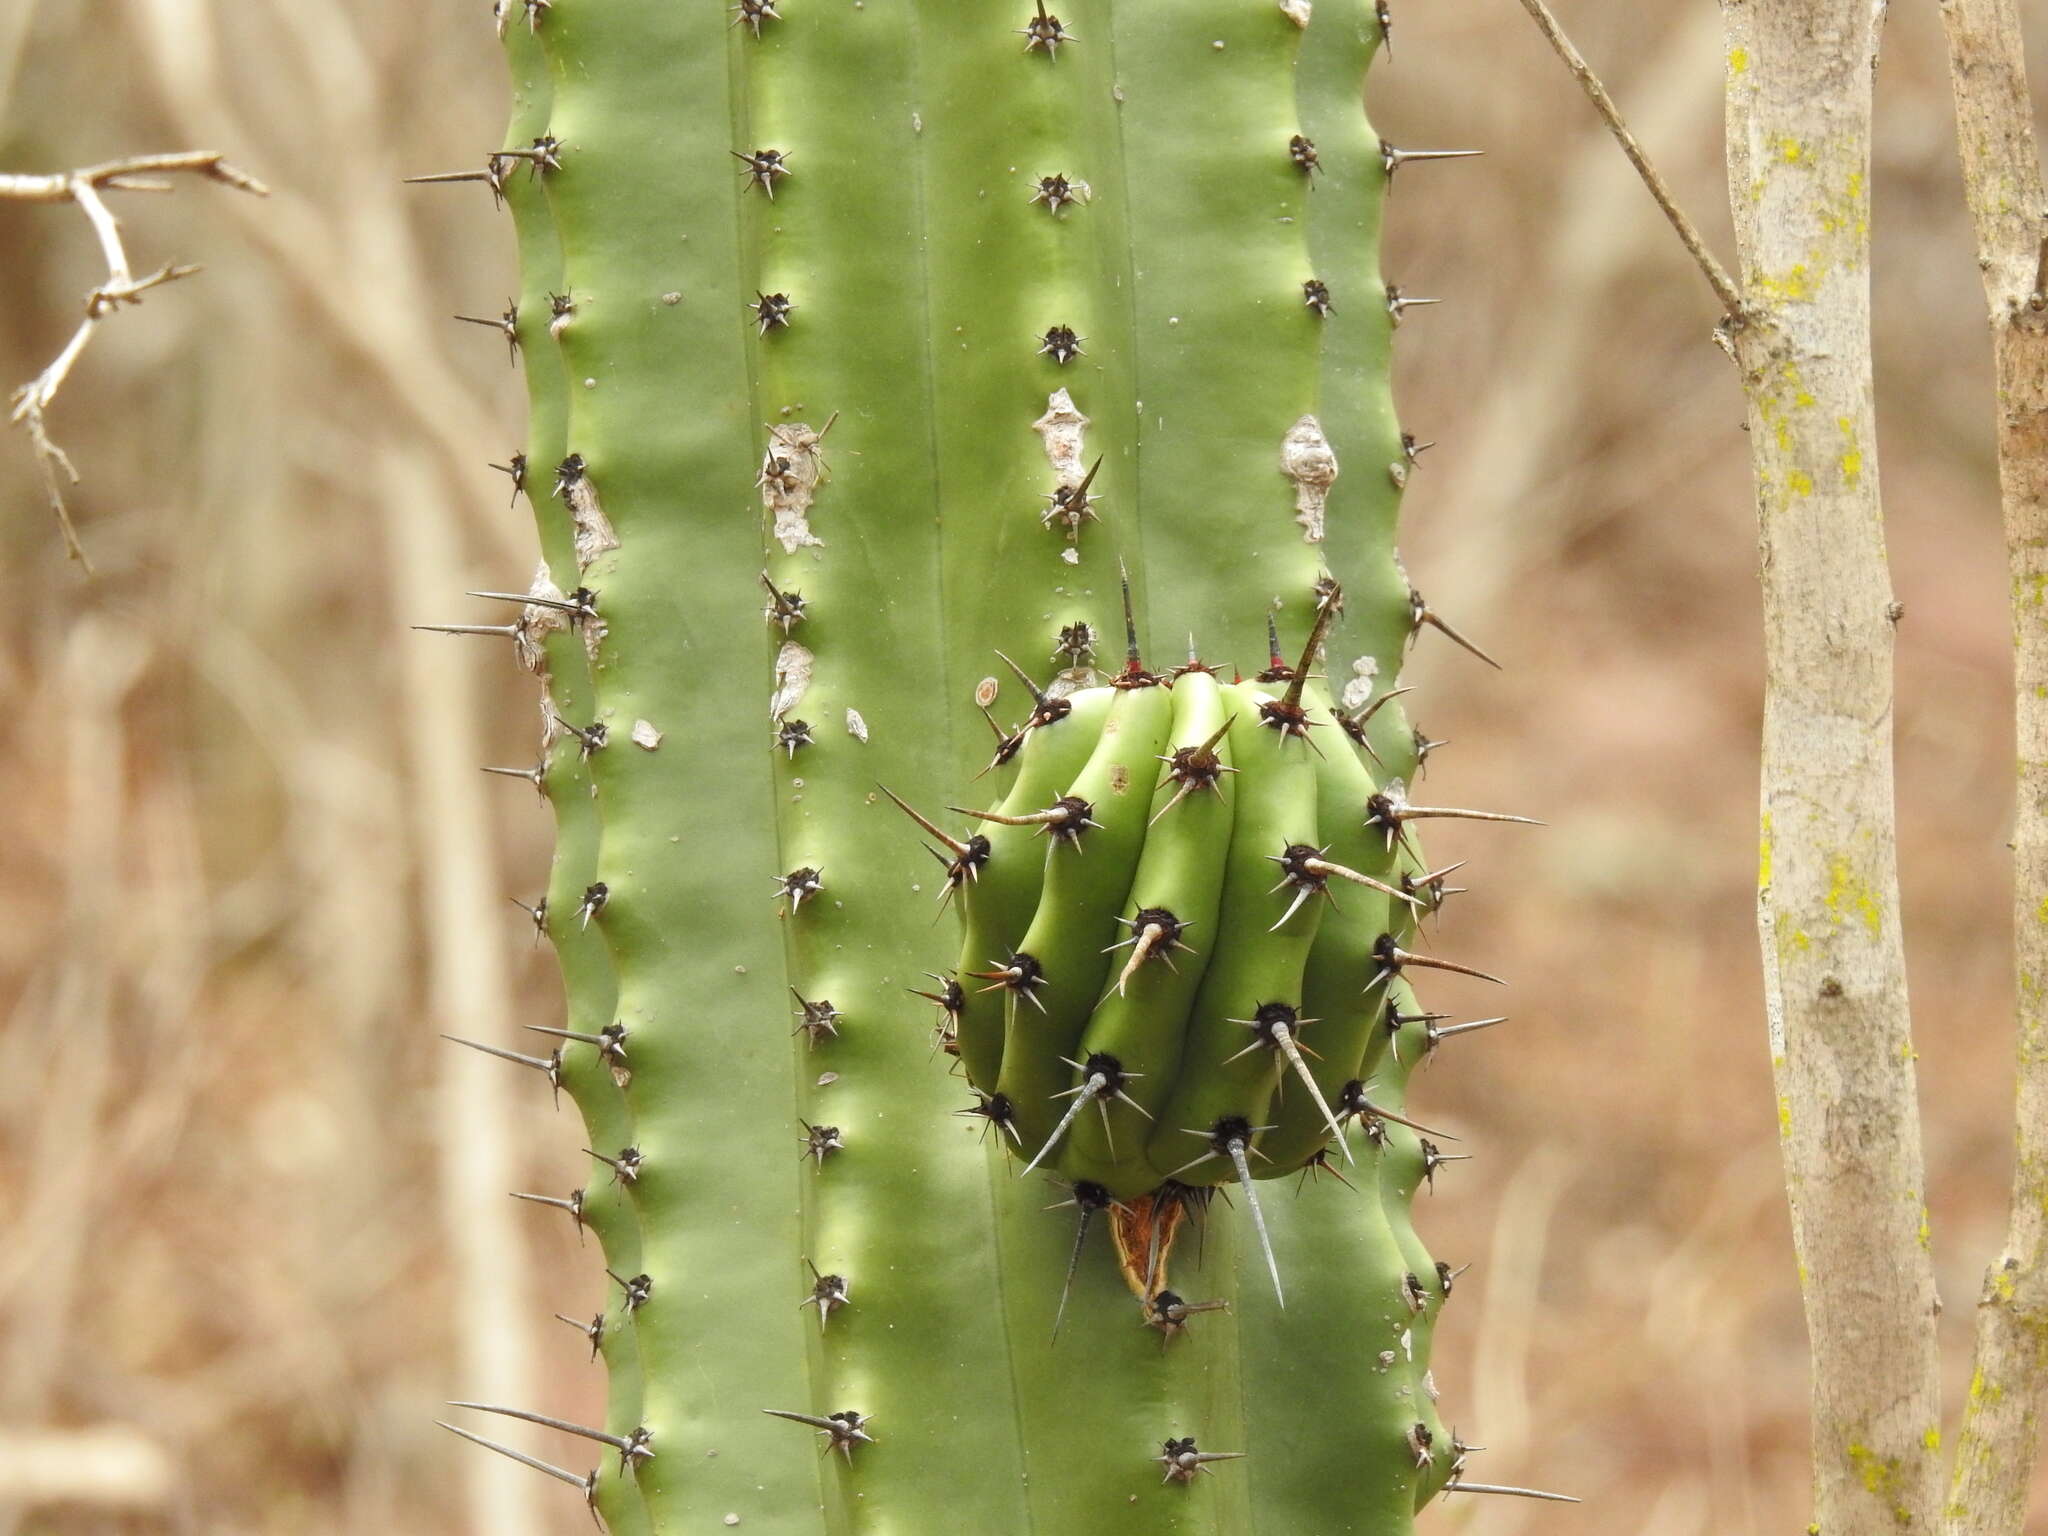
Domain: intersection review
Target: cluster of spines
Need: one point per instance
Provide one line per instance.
(792, 466)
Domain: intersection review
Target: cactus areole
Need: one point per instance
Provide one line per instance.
(969, 627)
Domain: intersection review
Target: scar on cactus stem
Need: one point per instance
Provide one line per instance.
(1143, 1231)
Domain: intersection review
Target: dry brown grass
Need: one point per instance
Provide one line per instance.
(249, 1224)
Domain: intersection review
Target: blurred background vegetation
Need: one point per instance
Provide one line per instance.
(252, 1217)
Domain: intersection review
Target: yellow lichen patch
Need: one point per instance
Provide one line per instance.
(1795, 285)
(1932, 1439)
(1800, 482)
(1851, 462)
(1982, 1391)
(1847, 892)
(1784, 1117)
(1926, 1233)
(1738, 61)
(1791, 150)
(1763, 863)
(1883, 1478)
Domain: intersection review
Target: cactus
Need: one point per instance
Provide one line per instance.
(907, 381)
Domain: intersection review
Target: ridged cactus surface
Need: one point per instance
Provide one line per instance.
(970, 626)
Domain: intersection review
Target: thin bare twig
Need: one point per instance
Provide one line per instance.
(136, 173)
(2002, 181)
(1688, 233)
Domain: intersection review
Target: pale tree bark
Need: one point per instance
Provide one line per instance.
(2002, 179)
(1799, 106)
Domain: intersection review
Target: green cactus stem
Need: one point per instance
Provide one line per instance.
(945, 407)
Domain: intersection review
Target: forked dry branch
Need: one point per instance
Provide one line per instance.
(86, 188)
